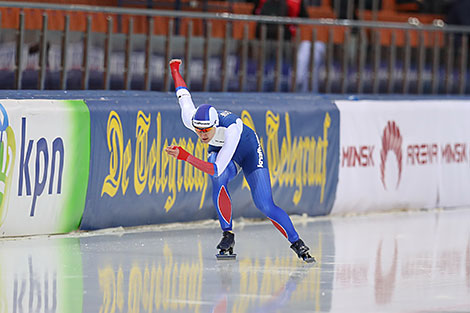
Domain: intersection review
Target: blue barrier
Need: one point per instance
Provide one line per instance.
(133, 182)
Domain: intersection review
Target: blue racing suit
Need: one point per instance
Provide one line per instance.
(235, 146)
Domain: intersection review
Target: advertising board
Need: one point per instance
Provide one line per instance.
(44, 161)
(133, 181)
(403, 154)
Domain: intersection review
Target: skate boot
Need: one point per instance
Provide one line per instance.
(302, 251)
(226, 246)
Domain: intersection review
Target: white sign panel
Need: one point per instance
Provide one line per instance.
(403, 154)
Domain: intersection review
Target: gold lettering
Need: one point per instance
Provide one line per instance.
(152, 163)
(164, 164)
(115, 140)
(159, 151)
(126, 162)
(247, 119)
(301, 161)
(201, 179)
(326, 126)
(297, 168)
(141, 150)
(286, 154)
(293, 161)
(171, 181)
(153, 167)
(179, 172)
(189, 171)
(272, 146)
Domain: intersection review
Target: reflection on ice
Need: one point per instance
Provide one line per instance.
(392, 262)
(377, 263)
(150, 272)
(41, 275)
(274, 293)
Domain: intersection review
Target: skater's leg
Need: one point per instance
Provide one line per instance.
(220, 194)
(261, 192)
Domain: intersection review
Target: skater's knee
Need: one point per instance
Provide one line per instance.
(265, 209)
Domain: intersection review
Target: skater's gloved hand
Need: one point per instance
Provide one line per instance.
(175, 73)
(175, 65)
(177, 152)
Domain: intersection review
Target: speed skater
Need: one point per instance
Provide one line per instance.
(233, 147)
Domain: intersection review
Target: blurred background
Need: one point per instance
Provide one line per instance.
(360, 46)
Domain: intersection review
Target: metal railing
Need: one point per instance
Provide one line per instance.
(325, 55)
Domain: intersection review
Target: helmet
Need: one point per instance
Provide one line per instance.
(206, 116)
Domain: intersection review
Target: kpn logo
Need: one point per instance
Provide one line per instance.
(7, 161)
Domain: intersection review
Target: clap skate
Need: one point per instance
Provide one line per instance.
(302, 251)
(225, 247)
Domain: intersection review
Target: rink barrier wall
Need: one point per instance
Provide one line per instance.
(130, 181)
(44, 165)
(326, 154)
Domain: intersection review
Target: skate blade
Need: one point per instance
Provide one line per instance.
(226, 256)
(310, 260)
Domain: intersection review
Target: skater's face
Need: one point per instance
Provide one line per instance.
(205, 134)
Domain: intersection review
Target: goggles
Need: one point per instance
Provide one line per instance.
(203, 130)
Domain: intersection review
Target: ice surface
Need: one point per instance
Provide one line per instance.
(396, 262)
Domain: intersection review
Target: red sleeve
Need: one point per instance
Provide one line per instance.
(175, 73)
(206, 167)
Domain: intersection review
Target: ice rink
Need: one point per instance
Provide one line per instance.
(393, 262)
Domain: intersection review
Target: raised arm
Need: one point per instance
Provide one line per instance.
(184, 97)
